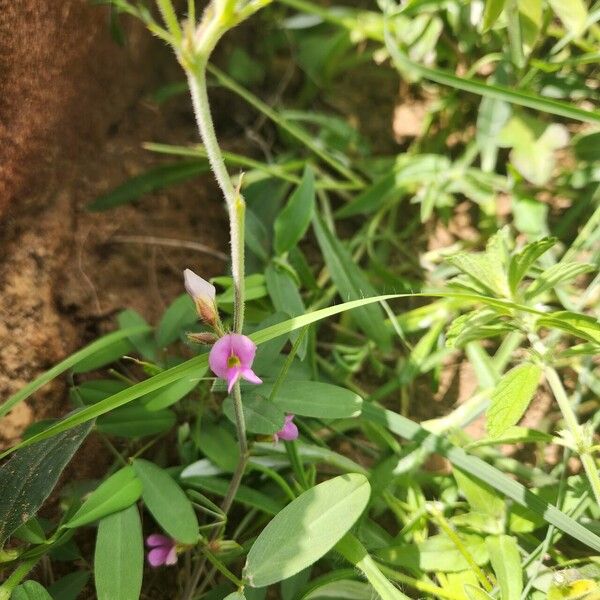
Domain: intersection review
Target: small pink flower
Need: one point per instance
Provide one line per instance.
(231, 359)
(164, 550)
(288, 432)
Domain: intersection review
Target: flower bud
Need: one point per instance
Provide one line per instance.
(203, 293)
(204, 337)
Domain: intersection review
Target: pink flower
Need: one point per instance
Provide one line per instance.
(164, 550)
(231, 359)
(288, 432)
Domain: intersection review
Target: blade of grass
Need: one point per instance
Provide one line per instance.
(68, 363)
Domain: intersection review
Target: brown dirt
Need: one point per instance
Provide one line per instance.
(62, 279)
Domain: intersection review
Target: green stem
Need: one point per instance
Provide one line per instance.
(354, 552)
(16, 577)
(449, 531)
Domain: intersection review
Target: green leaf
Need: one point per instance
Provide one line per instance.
(475, 593)
(95, 390)
(317, 399)
(306, 529)
(261, 415)
(521, 262)
(437, 553)
(293, 221)
(506, 562)
(370, 199)
(351, 283)
(555, 275)
(474, 86)
(480, 496)
(171, 394)
(512, 397)
(27, 479)
(135, 421)
(70, 586)
(30, 590)
(286, 298)
(572, 13)
(235, 596)
(109, 354)
(119, 556)
(119, 491)
(150, 181)
(587, 146)
(583, 326)
(143, 342)
(64, 365)
(493, 9)
(167, 502)
(217, 443)
(180, 314)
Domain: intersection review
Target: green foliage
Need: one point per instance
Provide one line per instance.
(119, 556)
(30, 475)
(306, 529)
(167, 502)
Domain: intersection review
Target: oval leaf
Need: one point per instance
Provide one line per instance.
(317, 399)
(512, 397)
(119, 491)
(306, 529)
(167, 502)
(119, 556)
(30, 590)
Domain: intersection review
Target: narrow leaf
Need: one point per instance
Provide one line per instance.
(293, 221)
(351, 283)
(118, 492)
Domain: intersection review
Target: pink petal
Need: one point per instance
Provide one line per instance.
(219, 354)
(249, 375)
(158, 556)
(233, 374)
(171, 557)
(156, 539)
(289, 431)
(244, 348)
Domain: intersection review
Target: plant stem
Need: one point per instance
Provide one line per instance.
(233, 199)
(449, 531)
(244, 454)
(16, 577)
(576, 430)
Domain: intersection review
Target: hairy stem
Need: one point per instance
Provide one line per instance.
(233, 199)
(576, 430)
